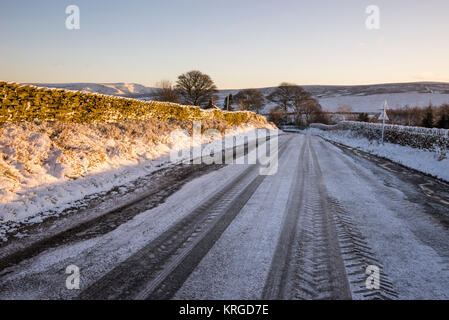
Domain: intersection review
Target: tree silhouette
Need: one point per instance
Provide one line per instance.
(428, 118)
(250, 99)
(196, 88)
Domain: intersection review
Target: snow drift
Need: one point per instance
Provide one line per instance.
(46, 165)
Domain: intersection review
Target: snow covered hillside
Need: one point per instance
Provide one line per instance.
(366, 98)
(369, 98)
(373, 103)
(129, 90)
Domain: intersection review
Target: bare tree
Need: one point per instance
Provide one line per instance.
(196, 88)
(291, 96)
(165, 92)
(250, 99)
(428, 121)
(409, 116)
(277, 116)
(322, 117)
(283, 96)
(310, 110)
(300, 99)
(443, 121)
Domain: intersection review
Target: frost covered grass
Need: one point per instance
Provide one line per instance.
(47, 165)
(432, 162)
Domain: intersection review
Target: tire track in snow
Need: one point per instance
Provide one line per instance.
(308, 262)
(420, 217)
(90, 220)
(275, 283)
(106, 221)
(160, 268)
(357, 256)
(413, 201)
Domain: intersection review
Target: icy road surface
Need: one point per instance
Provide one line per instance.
(310, 231)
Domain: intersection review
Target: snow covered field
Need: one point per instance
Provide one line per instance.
(363, 103)
(373, 103)
(421, 160)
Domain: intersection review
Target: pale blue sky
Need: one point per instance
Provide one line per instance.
(240, 43)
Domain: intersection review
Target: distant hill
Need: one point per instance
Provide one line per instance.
(370, 98)
(130, 90)
(360, 97)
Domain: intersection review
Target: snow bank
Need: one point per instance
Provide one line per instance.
(48, 165)
(434, 163)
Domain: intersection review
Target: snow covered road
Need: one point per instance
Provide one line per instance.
(311, 231)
